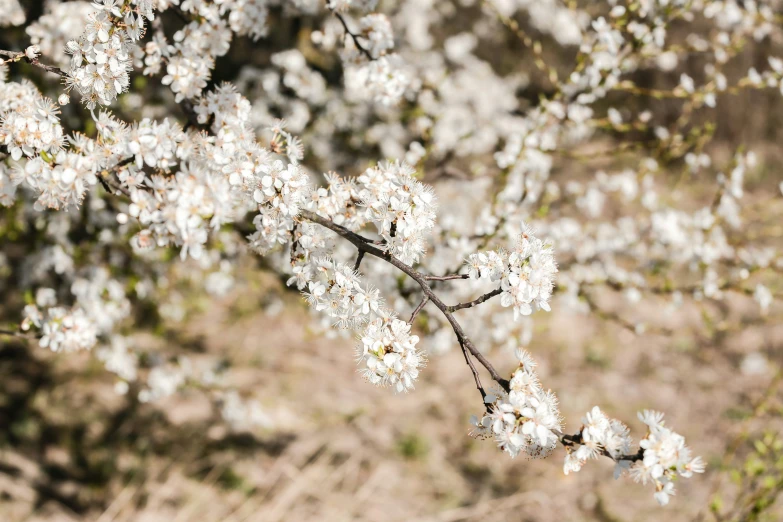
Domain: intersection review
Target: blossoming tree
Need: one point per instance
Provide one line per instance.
(154, 157)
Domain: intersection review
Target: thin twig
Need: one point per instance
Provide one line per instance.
(16, 56)
(570, 441)
(116, 190)
(190, 113)
(358, 261)
(354, 37)
(446, 277)
(423, 302)
(476, 377)
(105, 184)
(477, 301)
(615, 317)
(16, 333)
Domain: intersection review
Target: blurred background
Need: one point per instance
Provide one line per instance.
(329, 447)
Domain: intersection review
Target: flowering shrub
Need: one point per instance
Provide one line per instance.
(159, 163)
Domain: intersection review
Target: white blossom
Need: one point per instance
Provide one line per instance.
(62, 329)
(524, 420)
(665, 457)
(402, 208)
(388, 354)
(526, 274)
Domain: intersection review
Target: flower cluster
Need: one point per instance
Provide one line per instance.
(525, 419)
(228, 108)
(271, 231)
(102, 298)
(402, 208)
(665, 457)
(388, 353)
(153, 143)
(335, 289)
(338, 201)
(29, 123)
(191, 58)
(344, 5)
(281, 188)
(241, 413)
(7, 187)
(61, 182)
(247, 17)
(163, 381)
(664, 454)
(62, 329)
(377, 29)
(372, 70)
(280, 191)
(295, 74)
(101, 57)
(100, 303)
(526, 274)
(598, 436)
(763, 296)
(182, 209)
(118, 357)
(60, 23)
(383, 80)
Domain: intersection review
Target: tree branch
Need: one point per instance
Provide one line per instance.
(359, 262)
(468, 348)
(365, 245)
(17, 333)
(446, 277)
(16, 56)
(423, 302)
(477, 301)
(570, 441)
(190, 113)
(615, 317)
(354, 37)
(476, 377)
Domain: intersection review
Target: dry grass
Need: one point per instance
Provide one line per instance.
(343, 450)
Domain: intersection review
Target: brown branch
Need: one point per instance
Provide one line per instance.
(359, 262)
(354, 37)
(617, 319)
(570, 441)
(366, 246)
(190, 113)
(17, 333)
(477, 301)
(118, 189)
(423, 302)
(105, 184)
(16, 56)
(476, 377)
(446, 277)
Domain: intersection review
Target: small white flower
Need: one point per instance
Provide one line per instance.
(32, 52)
